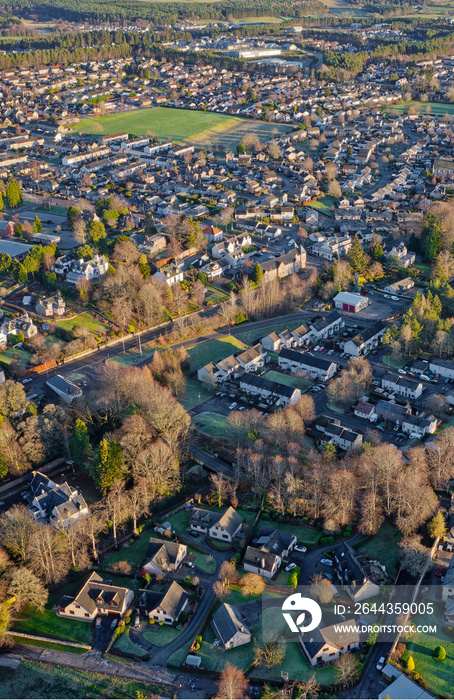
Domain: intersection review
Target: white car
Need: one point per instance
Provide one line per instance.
(232, 406)
(291, 566)
(300, 548)
(380, 663)
(395, 298)
(327, 562)
(317, 348)
(387, 296)
(401, 371)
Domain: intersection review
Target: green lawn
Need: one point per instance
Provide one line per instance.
(161, 635)
(306, 535)
(7, 356)
(56, 209)
(204, 561)
(213, 350)
(395, 362)
(48, 645)
(214, 425)
(125, 644)
(299, 382)
(196, 393)
(384, 546)
(132, 552)
(323, 204)
(180, 520)
(47, 623)
(426, 270)
(34, 680)
(435, 107)
(438, 675)
(215, 294)
(248, 337)
(182, 125)
(131, 357)
(93, 324)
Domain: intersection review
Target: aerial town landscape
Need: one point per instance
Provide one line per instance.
(227, 349)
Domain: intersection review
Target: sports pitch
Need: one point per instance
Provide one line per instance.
(182, 126)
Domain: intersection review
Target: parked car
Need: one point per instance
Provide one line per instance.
(381, 663)
(395, 298)
(290, 566)
(300, 548)
(98, 621)
(401, 371)
(386, 296)
(440, 571)
(375, 352)
(137, 621)
(322, 348)
(233, 405)
(190, 564)
(317, 348)
(327, 562)
(113, 624)
(396, 428)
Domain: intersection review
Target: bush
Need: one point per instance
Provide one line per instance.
(265, 516)
(127, 620)
(440, 653)
(338, 532)
(329, 539)
(183, 616)
(151, 620)
(410, 664)
(323, 540)
(147, 577)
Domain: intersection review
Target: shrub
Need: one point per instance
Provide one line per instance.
(147, 577)
(265, 516)
(440, 653)
(183, 616)
(151, 620)
(410, 664)
(338, 532)
(127, 620)
(329, 539)
(323, 540)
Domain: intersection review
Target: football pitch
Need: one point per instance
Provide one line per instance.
(182, 126)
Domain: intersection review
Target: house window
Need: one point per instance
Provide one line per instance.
(167, 619)
(87, 615)
(71, 612)
(224, 535)
(333, 653)
(77, 606)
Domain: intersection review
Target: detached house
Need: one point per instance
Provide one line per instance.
(164, 557)
(23, 324)
(230, 627)
(165, 606)
(56, 504)
(96, 598)
(51, 306)
(220, 527)
(353, 574)
(326, 643)
(266, 556)
(89, 270)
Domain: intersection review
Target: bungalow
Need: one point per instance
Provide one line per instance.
(334, 432)
(56, 504)
(367, 339)
(229, 626)
(280, 394)
(265, 557)
(165, 606)
(353, 573)
(327, 643)
(317, 367)
(96, 598)
(353, 303)
(225, 526)
(408, 388)
(400, 287)
(164, 557)
(253, 358)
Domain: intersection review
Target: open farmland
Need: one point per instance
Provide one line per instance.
(182, 125)
(423, 107)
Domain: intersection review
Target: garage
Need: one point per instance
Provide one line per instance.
(351, 303)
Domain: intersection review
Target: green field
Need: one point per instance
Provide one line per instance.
(161, 635)
(7, 356)
(125, 644)
(215, 294)
(214, 350)
(306, 535)
(182, 125)
(196, 393)
(248, 337)
(86, 320)
(384, 546)
(34, 680)
(47, 623)
(435, 107)
(214, 425)
(289, 380)
(57, 209)
(132, 552)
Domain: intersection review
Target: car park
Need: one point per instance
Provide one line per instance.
(290, 566)
(327, 562)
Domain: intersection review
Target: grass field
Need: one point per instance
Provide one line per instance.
(396, 363)
(133, 552)
(384, 546)
(182, 125)
(214, 425)
(435, 107)
(34, 680)
(93, 324)
(196, 392)
(248, 337)
(125, 644)
(214, 350)
(437, 674)
(7, 356)
(131, 357)
(161, 636)
(56, 209)
(215, 294)
(288, 380)
(46, 623)
(306, 535)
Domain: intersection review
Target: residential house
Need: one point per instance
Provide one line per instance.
(400, 252)
(213, 234)
(253, 358)
(64, 388)
(408, 388)
(163, 557)
(272, 341)
(215, 372)
(332, 430)
(56, 504)
(414, 425)
(225, 526)
(365, 410)
(230, 627)
(6, 229)
(63, 264)
(400, 287)
(22, 324)
(367, 339)
(301, 335)
(445, 368)
(171, 274)
(96, 598)
(353, 573)
(165, 606)
(284, 265)
(326, 643)
(88, 270)
(266, 556)
(324, 327)
(51, 306)
(353, 303)
(269, 390)
(316, 367)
